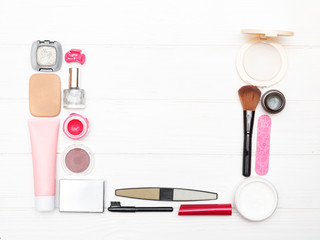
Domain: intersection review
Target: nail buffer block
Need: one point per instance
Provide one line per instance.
(166, 194)
(263, 145)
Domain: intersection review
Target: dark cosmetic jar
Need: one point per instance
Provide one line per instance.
(273, 101)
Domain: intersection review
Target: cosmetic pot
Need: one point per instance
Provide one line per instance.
(256, 199)
(273, 101)
(75, 126)
(77, 160)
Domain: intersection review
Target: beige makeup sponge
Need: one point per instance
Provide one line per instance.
(45, 95)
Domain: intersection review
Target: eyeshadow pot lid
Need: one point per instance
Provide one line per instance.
(78, 159)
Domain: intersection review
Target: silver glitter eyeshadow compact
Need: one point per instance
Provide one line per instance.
(46, 56)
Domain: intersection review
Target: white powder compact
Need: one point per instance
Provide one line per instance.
(46, 56)
(256, 199)
(81, 195)
(262, 60)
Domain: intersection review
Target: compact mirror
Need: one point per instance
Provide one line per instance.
(262, 60)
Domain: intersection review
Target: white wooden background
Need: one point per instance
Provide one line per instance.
(163, 108)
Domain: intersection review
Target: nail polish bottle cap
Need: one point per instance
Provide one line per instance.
(73, 77)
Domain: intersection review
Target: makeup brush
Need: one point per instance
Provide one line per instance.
(249, 98)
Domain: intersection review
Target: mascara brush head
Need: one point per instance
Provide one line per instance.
(249, 97)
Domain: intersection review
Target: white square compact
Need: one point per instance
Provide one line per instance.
(81, 195)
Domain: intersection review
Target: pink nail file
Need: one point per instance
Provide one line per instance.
(263, 145)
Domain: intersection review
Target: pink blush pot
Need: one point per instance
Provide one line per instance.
(75, 126)
(77, 160)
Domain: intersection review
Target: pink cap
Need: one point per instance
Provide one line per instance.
(75, 55)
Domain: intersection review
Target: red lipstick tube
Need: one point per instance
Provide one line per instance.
(205, 209)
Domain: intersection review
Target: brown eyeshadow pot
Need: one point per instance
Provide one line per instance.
(78, 159)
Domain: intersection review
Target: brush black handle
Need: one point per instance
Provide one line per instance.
(140, 209)
(154, 209)
(248, 118)
(116, 207)
(246, 165)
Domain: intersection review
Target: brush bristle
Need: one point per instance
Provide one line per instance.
(249, 97)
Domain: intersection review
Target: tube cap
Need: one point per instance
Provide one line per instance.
(44, 203)
(206, 209)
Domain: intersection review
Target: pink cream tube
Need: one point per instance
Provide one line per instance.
(44, 138)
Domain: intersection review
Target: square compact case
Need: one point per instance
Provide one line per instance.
(81, 195)
(45, 95)
(46, 56)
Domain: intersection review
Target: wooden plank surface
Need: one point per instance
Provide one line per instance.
(284, 224)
